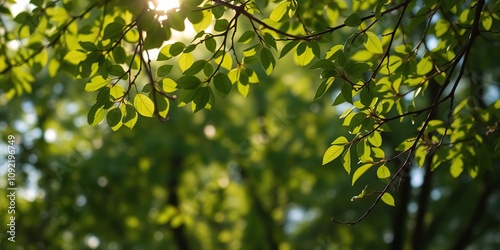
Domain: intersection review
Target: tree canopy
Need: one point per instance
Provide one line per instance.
(402, 95)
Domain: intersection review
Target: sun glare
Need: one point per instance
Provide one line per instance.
(164, 5)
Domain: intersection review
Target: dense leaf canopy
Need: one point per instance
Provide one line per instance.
(402, 95)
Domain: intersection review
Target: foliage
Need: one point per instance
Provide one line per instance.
(410, 78)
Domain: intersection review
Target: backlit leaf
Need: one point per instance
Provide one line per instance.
(388, 199)
(144, 105)
(360, 171)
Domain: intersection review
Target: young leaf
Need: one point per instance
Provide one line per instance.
(332, 153)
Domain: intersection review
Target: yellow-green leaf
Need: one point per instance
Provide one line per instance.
(332, 153)
(279, 11)
(388, 199)
(375, 139)
(75, 57)
(144, 105)
(185, 61)
(304, 54)
(168, 85)
(227, 61)
(129, 116)
(360, 171)
(346, 161)
(487, 21)
(204, 23)
(424, 66)
(457, 167)
(373, 43)
(383, 172)
(96, 83)
(243, 89)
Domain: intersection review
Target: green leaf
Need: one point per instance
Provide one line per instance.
(200, 98)
(188, 82)
(373, 43)
(268, 61)
(176, 48)
(360, 171)
(221, 25)
(195, 67)
(388, 199)
(222, 84)
(353, 20)
(279, 11)
(270, 41)
(114, 118)
(96, 83)
(164, 70)
(289, 46)
(144, 105)
(383, 172)
(119, 55)
(176, 20)
(162, 104)
(185, 97)
(210, 44)
(323, 87)
(96, 114)
(88, 46)
(457, 167)
(130, 117)
(425, 65)
(247, 37)
(112, 31)
(323, 64)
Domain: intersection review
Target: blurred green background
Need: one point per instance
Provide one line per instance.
(245, 175)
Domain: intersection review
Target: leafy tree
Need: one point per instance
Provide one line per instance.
(415, 84)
